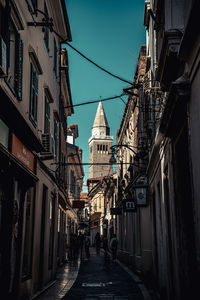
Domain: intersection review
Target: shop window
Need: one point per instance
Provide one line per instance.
(51, 230)
(28, 241)
(4, 134)
(33, 96)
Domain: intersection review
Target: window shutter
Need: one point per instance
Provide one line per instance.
(19, 68)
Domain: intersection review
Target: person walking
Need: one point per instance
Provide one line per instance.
(105, 243)
(81, 243)
(113, 246)
(97, 243)
(106, 254)
(87, 247)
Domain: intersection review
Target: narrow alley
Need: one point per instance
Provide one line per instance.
(99, 149)
(93, 279)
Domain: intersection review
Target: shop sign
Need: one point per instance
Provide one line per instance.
(129, 206)
(115, 211)
(78, 204)
(22, 153)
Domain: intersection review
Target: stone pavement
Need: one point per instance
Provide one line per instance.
(66, 276)
(91, 280)
(96, 282)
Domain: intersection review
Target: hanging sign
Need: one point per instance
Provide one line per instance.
(129, 204)
(115, 211)
(78, 204)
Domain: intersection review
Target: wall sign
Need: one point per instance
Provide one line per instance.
(22, 153)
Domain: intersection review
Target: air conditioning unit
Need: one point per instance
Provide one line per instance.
(48, 144)
(3, 57)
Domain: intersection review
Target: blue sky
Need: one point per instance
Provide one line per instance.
(110, 32)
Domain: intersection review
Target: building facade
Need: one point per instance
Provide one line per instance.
(34, 91)
(133, 214)
(172, 173)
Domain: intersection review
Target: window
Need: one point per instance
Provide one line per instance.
(103, 148)
(91, 149)
(55, 58)
(72, 182)
(33, 96)
(107, 131)
(46, 29)
(4, 134)
(56, 137)
(97, 147)
(47, 116)
(15, 61)
(106, 148)
(99, 201)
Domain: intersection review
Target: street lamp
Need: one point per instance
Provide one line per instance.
(140, 188)
(114, 151)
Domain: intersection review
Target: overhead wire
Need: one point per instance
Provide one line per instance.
(95, 101)
(95, 64)
(65, 41)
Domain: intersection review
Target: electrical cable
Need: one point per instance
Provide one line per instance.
(95, 64)
(65, 41)
(95, 101)
(123, 101)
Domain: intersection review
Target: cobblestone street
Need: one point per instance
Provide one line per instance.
(95, 282)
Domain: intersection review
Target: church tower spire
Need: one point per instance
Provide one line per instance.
(99, 145)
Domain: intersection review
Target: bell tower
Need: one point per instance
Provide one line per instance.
(99, 145)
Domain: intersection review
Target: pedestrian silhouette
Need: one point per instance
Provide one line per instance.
(113, 246)
(97, 243)
(87, 247)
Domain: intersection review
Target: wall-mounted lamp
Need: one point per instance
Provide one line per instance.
(114, 151)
